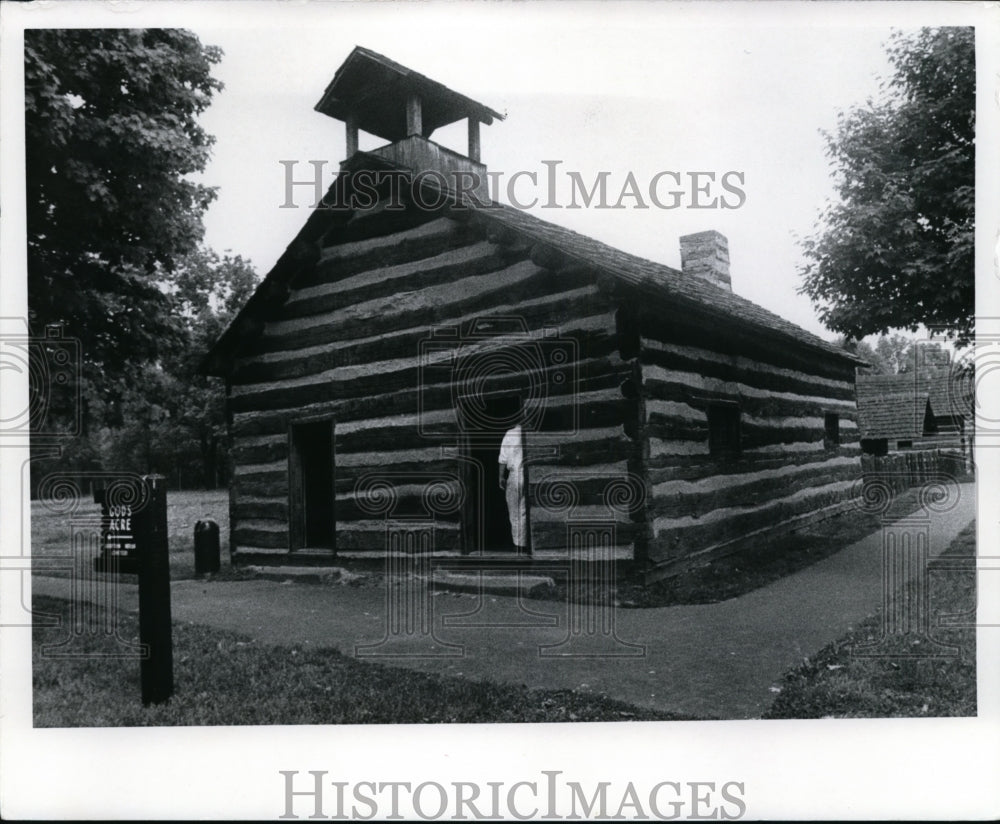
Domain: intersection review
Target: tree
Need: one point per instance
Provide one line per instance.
(166, 416)
(899, 355)
(111, 135)
(864, 351)
(895, 352)
(897, 250)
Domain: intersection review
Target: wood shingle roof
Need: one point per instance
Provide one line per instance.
(659, 282)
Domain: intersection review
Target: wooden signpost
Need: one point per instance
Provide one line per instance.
(134, 541)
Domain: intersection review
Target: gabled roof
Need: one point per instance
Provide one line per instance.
(655, 280)
(896, 417)
(659, 280)
(943, 389)
(374, 89)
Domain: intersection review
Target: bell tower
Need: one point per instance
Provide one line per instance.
(370, 92)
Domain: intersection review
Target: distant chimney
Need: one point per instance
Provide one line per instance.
(706, 255)
(370, 92)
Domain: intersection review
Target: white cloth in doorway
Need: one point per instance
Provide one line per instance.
(512, 456)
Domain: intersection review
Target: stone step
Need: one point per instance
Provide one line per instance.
(494, 582)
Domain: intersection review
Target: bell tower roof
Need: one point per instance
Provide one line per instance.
(376, 94)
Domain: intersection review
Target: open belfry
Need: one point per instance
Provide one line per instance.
(413, 325)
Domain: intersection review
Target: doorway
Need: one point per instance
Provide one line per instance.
(486, 522)
(311, 490)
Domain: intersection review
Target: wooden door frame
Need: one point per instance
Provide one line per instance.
(465, 443)
(296, 489)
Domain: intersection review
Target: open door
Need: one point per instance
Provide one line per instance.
(485, 520)
(312, 523)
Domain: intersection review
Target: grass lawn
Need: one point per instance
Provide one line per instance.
(224, 678)
(51, 532)
(836, 684)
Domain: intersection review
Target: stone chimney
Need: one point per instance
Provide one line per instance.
(372, 93)
(706, 255)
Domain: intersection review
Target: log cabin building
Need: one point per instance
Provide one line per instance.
(375, 370)
(917, 410)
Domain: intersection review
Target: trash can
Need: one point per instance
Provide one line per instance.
(206, 547)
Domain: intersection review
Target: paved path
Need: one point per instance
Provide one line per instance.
(716, 660)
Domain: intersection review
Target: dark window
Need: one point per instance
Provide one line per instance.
(724, 430)
(904, 444)
(875, 446)
(831, 425)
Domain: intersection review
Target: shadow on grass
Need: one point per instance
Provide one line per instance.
(225, 678)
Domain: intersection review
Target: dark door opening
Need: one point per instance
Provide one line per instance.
(312, 522)
(487, 521)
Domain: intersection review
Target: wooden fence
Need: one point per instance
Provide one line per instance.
(902, 470)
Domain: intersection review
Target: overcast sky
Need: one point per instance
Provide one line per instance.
(652, 90)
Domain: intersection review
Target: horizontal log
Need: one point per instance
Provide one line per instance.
(427, 458)
(665, 428)
(745, 543)
(738, 471)
(378, 221)
(372, 536)
(270, 487)
(547, 555)
(248, 554)
(679, 499)
(582, 513)
(552, 309)
(437, 498)
(248, 509)
(274, 448)
(452, 264)
(791, 450)
(395, 433)
(593, 447)
(269, 534)
(556, 534)
(676, 536)
(247, 471)
(252, 416)
(589, 493)
(484, 368)
(268, 480)
(699, 396)
(664, 383)
(683, 328)
(690, 459)
(421, 307)
(585, 337)
(344, 259)
(761, 375)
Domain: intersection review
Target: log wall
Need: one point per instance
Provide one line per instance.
(389, 313)
(362, 339)
(786, 472)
